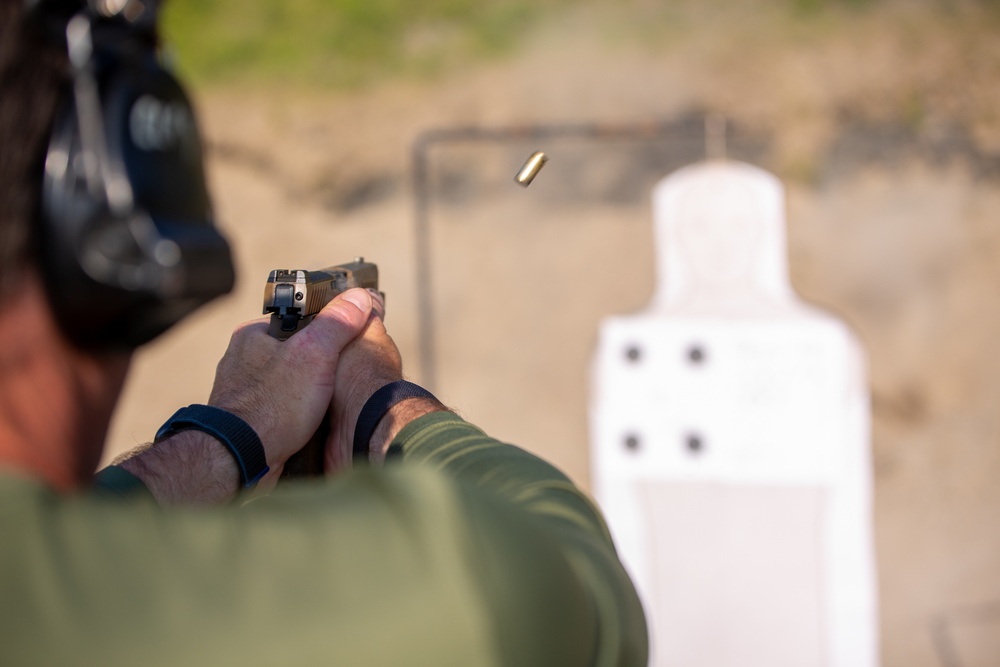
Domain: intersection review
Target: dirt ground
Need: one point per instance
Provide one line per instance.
(885, 127)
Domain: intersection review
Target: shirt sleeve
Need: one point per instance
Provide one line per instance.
(565, 516)
(465, 552)
(116, 482)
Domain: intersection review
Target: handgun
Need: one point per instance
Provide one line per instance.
(293, 297)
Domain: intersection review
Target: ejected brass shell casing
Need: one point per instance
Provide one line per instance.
(531, 168)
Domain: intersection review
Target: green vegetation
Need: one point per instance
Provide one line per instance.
(811, 6)
(347, 43)
(338, 43)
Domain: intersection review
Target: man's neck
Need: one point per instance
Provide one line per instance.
(55, 400)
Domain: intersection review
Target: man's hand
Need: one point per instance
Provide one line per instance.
(283, 388)
(368, 363)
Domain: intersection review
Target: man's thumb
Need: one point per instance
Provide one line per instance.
(343, 318)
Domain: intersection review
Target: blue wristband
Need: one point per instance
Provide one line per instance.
(237, 436)
(377, 406)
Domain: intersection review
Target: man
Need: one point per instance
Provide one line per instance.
(454, 549)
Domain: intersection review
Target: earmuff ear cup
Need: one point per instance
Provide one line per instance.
(125, 261)
(153, 139)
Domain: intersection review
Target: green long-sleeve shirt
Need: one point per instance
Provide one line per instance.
(463, 551)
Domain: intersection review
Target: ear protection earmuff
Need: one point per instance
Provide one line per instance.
(128, 241)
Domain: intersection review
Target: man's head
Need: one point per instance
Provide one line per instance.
(57, 387)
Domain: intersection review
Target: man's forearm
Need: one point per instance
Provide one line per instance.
(188, 468)
(395, 420)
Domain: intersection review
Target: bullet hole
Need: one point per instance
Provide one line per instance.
(696, 354)
(694, 444)
(633, 354)
(632, 442)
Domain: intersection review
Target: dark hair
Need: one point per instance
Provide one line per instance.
(33, 72)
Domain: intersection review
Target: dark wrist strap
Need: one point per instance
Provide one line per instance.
(237, 436)
(377, 406)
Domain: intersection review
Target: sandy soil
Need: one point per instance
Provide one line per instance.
(886, 131)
